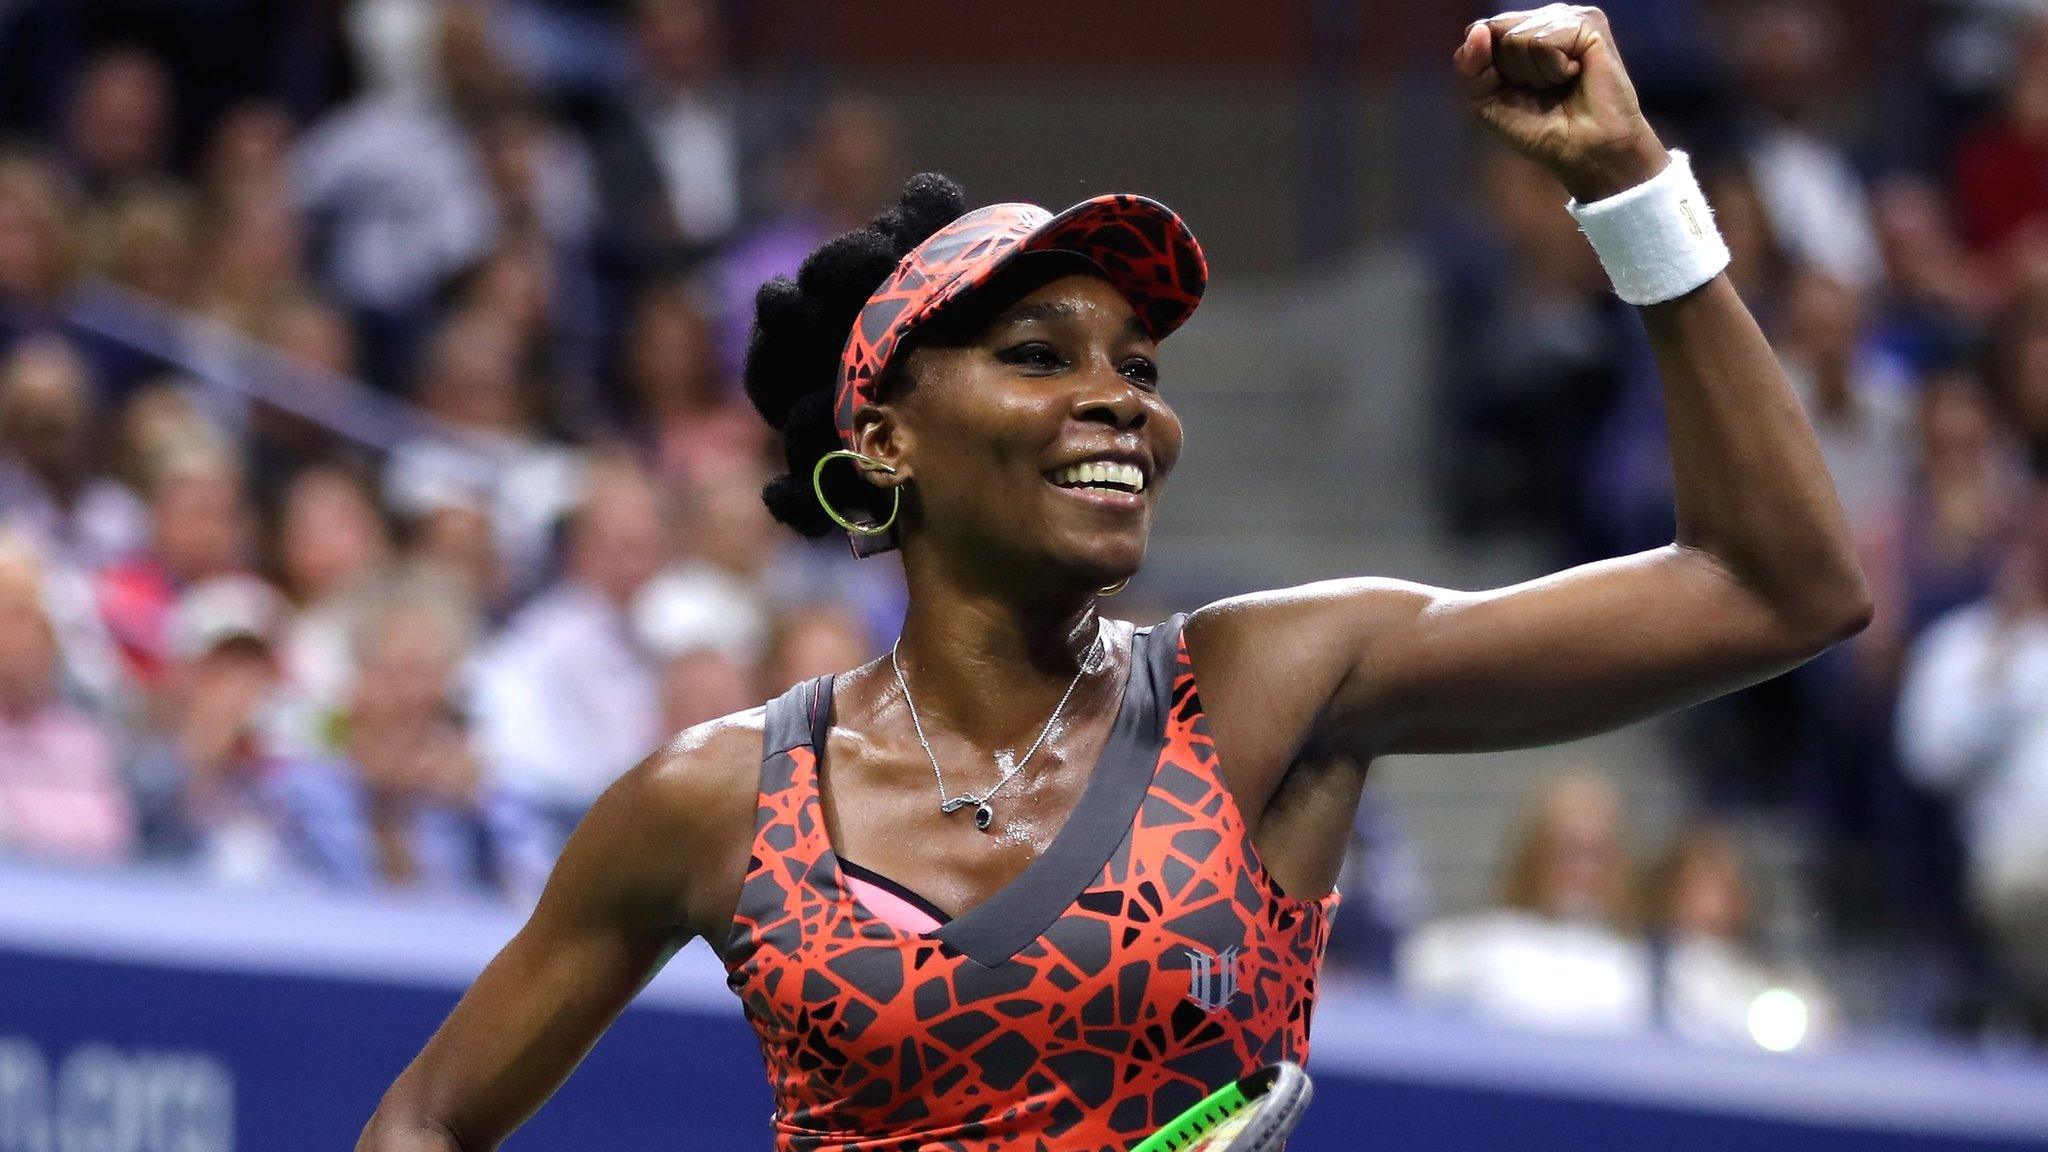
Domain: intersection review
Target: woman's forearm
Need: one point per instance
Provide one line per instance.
(1754, 497)
(1754, 493)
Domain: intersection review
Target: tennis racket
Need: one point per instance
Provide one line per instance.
(1254, 1114)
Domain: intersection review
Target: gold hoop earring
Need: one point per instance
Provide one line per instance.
(1115, 588)
(818, 490)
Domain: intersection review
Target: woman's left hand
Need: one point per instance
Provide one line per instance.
(1550, 83)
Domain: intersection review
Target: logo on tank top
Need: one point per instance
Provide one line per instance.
(1212, 977)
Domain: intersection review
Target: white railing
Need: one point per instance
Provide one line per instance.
(236, 367)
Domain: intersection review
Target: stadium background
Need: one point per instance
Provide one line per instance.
(374, 486)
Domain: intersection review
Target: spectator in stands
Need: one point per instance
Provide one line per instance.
(521, 283)
(200, 527)
(2001, 167)
(668, 154)
(334, 555)
(410, 742)
(828, 181)
(146, 241)
(162, 421)
(1757, 264)
(392, 42)
(90, 674)
(61, 795)
(118, 127)
(312, 342)
(314, 334)
(514, 284)
(538, 178)
(1559, 953)
(2020, 367)
(722, 586)
(1936, 294)
(1972, 47)
(471, 379)
(813, 640)
(1859, 401)
(449, 541)
(1973, 724)
(39, 246)
(869, 598)
(1860, 405)
(49, 490)
(220, 792)
(397, 186)
(703, 684)
(248, 155)
(1889, 864)
(538, 274)
(692, 418)
(391, 178)
(1787, 60)
(1942, 550)
(253, 257)
(1532, 346)
(1710, 987)
(568, 696)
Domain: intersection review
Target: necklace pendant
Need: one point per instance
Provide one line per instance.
(984, 816)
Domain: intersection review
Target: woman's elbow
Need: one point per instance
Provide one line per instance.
(1837, 610)
(389, 1131)
(1858, 612)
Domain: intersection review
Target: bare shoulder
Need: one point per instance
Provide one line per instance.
(1327, 616)
(705, 772)
(1270, 663)
(672, 835)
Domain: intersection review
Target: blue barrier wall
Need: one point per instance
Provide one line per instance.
(138, 1016)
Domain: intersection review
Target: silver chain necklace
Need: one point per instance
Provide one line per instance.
(984, 815)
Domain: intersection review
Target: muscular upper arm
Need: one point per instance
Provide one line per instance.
(1370, 667)
(646, 870)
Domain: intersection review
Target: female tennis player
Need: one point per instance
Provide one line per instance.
(1037, 880)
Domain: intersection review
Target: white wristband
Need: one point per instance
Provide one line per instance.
(1657, 240)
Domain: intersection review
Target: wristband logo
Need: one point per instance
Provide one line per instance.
(1692, 222)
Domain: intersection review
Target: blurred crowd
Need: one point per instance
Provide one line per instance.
(1585, 941)
(1890, 230)
(408, 647)
(375, 486)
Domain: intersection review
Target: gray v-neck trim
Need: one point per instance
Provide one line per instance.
(998, 928)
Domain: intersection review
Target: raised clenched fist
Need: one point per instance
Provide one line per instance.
(1551, 84)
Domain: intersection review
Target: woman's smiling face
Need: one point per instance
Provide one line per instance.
(1034, 440)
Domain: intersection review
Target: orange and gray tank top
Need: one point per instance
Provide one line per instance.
(1145, 959)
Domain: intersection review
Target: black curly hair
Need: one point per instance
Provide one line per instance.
(800, 328)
